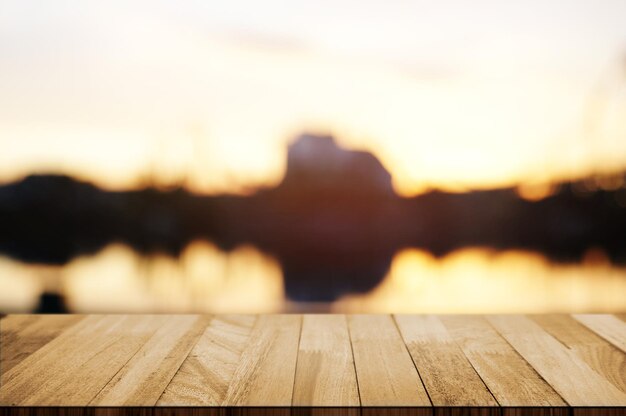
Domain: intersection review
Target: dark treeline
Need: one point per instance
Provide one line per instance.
(334, 222)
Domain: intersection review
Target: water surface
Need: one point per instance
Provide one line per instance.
(246, 280)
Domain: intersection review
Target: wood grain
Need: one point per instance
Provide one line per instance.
(264, 411)
(313, 365)
(206, 373)
(71, 369)
(385, 372)
(576, 382)
(511, 380)
(600, 355)
(448, 376)
(609, 327)
(145, 376)
(22, 335)
(266, 369)
(325, 373)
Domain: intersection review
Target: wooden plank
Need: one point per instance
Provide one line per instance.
(267, 367)
(144, 378)
(608, 327)
(22, 335)
(449, 377)
(264, 411)
(206, 373)
(264, 365)
(600, 355)
(71, 369)
(385, 372)
(325, 374)
(565, 371)
(144, 411)
(511, 380)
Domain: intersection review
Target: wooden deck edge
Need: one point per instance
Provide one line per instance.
(312, 411)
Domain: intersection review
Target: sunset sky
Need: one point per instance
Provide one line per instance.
(450, 94)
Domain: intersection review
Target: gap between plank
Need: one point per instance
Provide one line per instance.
(356, 376)
(295, 370)
(209, 318)
(393, 319)
(121, 368)
(522, 357)
(470, 361)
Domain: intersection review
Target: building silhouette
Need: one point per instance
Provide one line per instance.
(317, 163)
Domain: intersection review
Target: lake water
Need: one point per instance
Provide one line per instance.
(245, 280)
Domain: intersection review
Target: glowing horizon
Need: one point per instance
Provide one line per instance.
(210, 94)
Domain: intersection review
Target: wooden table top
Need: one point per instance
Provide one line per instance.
(352, 362)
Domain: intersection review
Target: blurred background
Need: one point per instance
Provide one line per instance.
(330, 156)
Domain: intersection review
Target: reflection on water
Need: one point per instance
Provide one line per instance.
(206, 279)
(483, 281)
(118, 279)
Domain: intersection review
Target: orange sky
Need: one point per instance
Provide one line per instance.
(448, 94)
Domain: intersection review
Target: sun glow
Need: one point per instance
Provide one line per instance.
(203, 279)
(206, 279)
(206, 97)
(485, 281)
